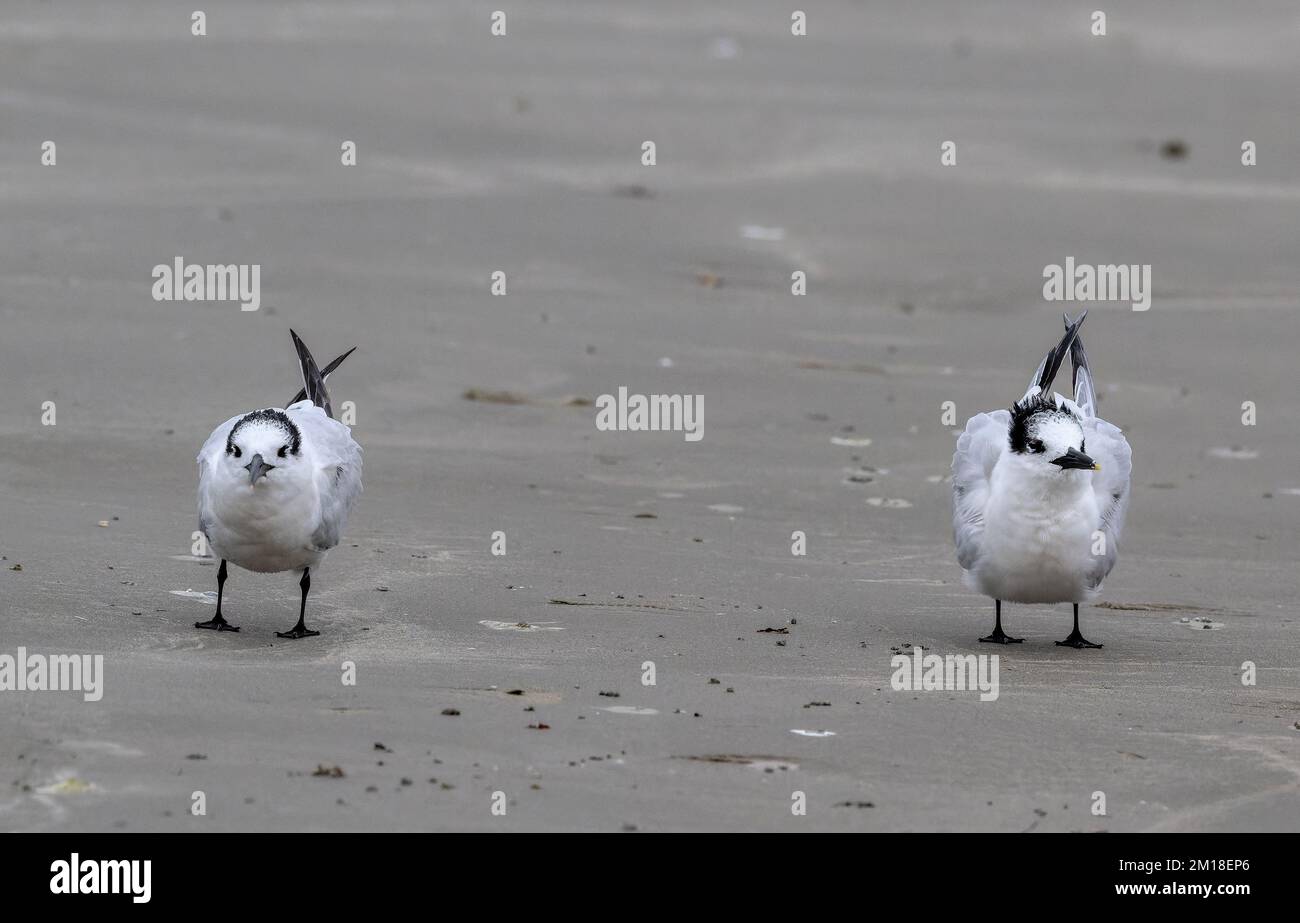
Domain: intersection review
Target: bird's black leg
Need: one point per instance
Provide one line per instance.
(1076, 639)
(999, 636)
(300, 630)
(217, 623)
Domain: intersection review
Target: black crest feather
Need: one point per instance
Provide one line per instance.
(1022, 412)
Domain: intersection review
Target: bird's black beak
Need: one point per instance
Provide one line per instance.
(256, 469)
(1073, 458)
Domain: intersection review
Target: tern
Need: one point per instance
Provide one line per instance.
(276, 487)
(1039, 494)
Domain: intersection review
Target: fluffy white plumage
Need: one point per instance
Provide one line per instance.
(1031, 524)
(276, 487)
(291, 516)
(1025, 533)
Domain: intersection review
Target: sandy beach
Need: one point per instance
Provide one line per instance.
(522, 673)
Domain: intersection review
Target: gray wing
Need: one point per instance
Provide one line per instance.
(212, 450)
(337, 459)
(1111, 485)
(978, 451)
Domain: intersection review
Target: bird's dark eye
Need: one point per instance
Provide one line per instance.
(1036, 446)
(235, 451)
(283, 449)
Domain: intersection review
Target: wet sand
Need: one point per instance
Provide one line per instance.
(522, 154)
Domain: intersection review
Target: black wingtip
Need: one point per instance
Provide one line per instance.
(1052, 364)
(312, 379)
(337, 362)
(324, 374)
